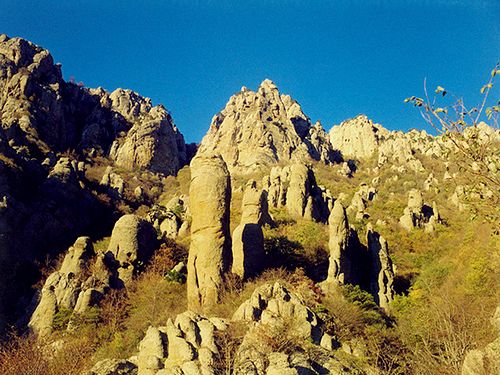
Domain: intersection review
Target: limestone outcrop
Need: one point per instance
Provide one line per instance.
(351, 262)
(210, 249)
(262, 128)
(248, 238)
(85, 276)
(50, 132)
(272, 308)
(360, 138)
(40, 109)
(194, 344)
(419, 215)
(339, 270)
(357, 138)
(63, 288)
(381, 268)
(295, 188)
(153, 141)
(114, 182)
(132, 243)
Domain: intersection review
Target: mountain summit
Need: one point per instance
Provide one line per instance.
(264, 127)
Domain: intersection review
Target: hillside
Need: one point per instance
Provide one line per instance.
(275, 247)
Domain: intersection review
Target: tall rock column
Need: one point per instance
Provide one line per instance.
(248, 239)
(210, 249)
(340, 264)
(381, 268)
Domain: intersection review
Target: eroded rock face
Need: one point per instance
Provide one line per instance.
(357, 138)
(273, 308)
(62, 288)
(210, 249)
(360, 138)
(153, 141)
(419, 215)
(339, 269)
(133, 240)
(46, 193)
(381, 269)
(262, 128)
(248, 238)
(295, 188)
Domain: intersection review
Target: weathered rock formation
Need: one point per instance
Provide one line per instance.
(152, 142)
(248, 238)
(45, 193)
(272, 308)
(186, 345)
(132, 243)
(63, 288)
(357, 138)
(84, 276)
(381, 268)
(295, 188)
(210, 249)
(419, 215)
(194, 344)
(262, 128)
(360, 138)
(351, 262)
(114, 182)
(339, 270)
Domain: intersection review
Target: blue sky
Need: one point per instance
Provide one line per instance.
(337, 58)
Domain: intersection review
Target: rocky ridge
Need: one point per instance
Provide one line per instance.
(261, 128)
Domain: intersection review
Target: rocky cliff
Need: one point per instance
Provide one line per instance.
(264, 127)
(51, 132)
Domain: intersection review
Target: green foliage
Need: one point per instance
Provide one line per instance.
(175, 277)
(61, 319)
(371, 313)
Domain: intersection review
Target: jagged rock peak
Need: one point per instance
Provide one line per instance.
(42, 112)
(357, 137)
(262, 128)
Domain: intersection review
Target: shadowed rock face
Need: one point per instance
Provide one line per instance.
(210, 249)
(43, 113)
(43, 194)
(381, 269)
(248, 238)
(262, 128)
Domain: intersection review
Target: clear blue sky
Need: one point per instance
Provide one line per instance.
(337, 58)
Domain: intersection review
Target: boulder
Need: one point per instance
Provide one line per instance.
(132, 242)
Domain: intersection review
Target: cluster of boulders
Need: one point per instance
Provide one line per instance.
(193, 343)
(294, 187)
(173, 219)
(417, 214)
(359, 201)
(262, 128)
(85, 276)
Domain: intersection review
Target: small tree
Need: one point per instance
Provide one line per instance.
(463, 132)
